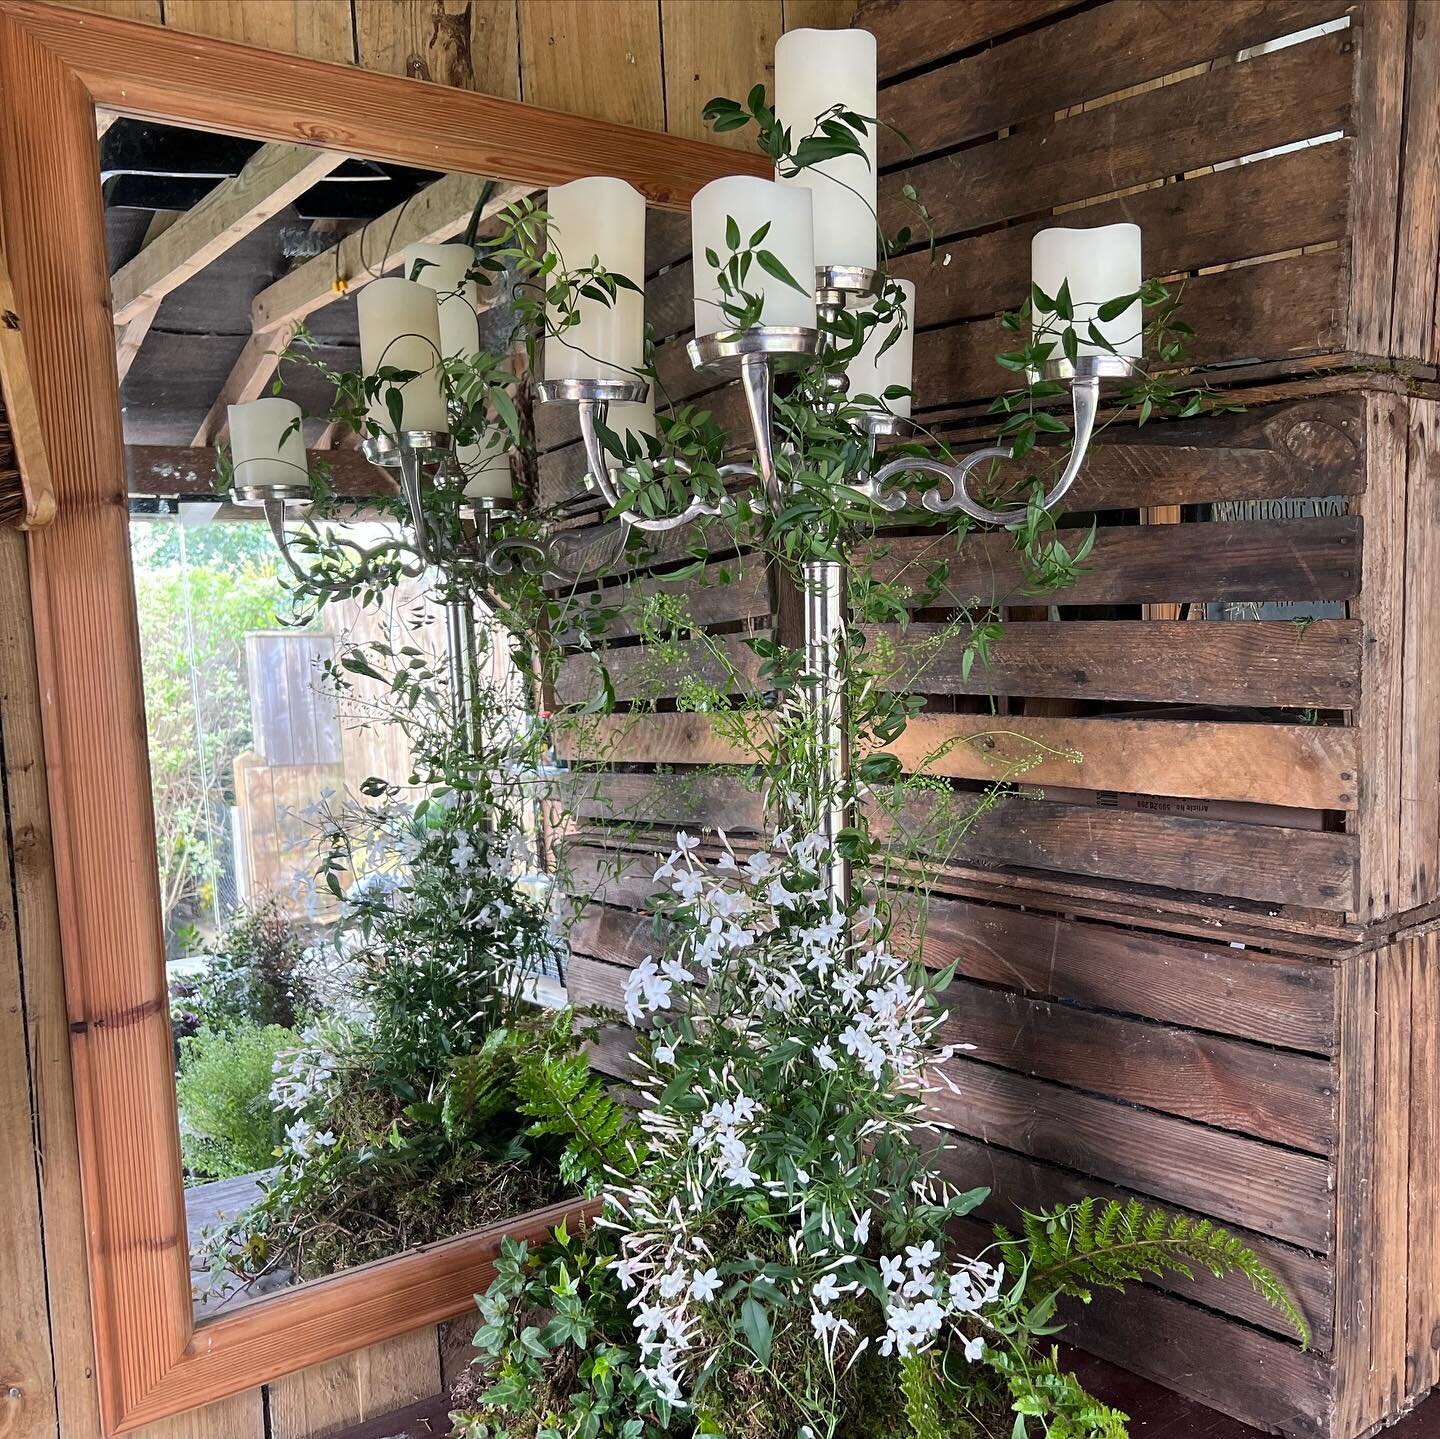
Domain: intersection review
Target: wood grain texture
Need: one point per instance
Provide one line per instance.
(1260, 664)
(270, 179)
(470, 44)
(1423, 1291)
(1315, 559)
(909, 33)
(1418, 879)
(1286, 1003)
(27, 1386)
(1236, 1179)
(705, 59)
(1304, 766)
(1417, 256)
(316, 29)
(1226, 1083)
(1380, 608)
(611, 70)
(1291, 95)
(1380, 33)
(380, 116)
(330, 1398)
(1078, 58)
(22, 410)
(192, 471)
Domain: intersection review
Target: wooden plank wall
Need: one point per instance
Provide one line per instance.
(651, 63)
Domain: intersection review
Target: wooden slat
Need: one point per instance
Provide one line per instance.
(1227, 1083)
(706, 598)
(643, 672)
(319, 29)
(1264, 663)
(612, 70)
(1380, 34)
(1304, 766)
(916, 32)
(1316, 559)
(272, 177)
(661, 739)
(1210, 857)
(704, 59)
(470, 44)
(1077, 58)
(241, 1416)
(1017, 1182)
(191, 472)
(22, 409)
(1283, 308)
(1380, 608)
(1287, 1003)
(1419, 817)
(330, 1397)
(1413, 311)
(249, 378)
(1265, 208)
(438, 213)
(690, 800)
(1238, 1180)
(1277, 99)
(1258, 1379)
(1423, 1270)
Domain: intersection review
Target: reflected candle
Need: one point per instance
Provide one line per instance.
(752, 203)
(443, 268)
(486, 470)
(400, 329)
(870, 372)
(815, 70)
(599, 220)
(266, 445)
(1100, 264)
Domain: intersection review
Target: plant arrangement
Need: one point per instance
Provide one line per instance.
(785, 1253)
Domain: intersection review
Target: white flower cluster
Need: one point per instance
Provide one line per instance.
(302, 1075)
(918, 1301)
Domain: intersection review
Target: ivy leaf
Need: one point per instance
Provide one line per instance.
(777, 271)
(732, 232)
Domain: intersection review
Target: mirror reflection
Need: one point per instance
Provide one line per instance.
(348, 777)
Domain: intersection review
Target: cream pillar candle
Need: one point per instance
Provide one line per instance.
(266, 446)
(400, 329)
(872, 373)
(1100, 264)
(601, 221)
(635, 420)
(815, 70)
(487, 471)
(444, 271)
(752, 202)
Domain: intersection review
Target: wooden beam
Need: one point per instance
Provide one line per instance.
(438, 213)
(185, 472)
(129, 338)
(273, 177)
(246, 381)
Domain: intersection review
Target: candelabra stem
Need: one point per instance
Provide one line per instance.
(410, 486)
(825, 701)
(758, 380)
(461, 662)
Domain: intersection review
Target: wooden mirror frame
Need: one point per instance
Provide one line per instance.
(56, 67)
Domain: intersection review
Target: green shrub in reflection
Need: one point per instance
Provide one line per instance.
(228, 1124)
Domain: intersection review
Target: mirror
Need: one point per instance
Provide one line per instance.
(356, 901)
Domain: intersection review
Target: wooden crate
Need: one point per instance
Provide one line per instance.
(1288, 1094)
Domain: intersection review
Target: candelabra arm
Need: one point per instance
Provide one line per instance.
(275, 516)
(410, 487)
(597, 464)
(757, 378)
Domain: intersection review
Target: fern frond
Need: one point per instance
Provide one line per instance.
(1086, 1246)
(919, 1385)
(557, 1090)
(479, 1086)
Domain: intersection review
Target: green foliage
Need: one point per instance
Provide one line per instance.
(255, 974)
(227, 1122)
(480, 1085)
(557, 1089)
(1091, 1245)
(922, 1403)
